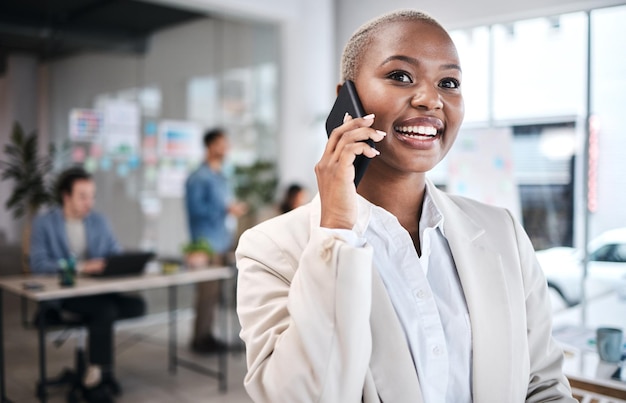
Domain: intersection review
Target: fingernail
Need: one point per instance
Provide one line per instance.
(382, 133)
(370, 116)
(345, 117)
(376, 151)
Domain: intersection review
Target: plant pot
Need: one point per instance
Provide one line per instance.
(197, 259)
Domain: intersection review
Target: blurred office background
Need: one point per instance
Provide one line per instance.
(131, 86)
(127, 88)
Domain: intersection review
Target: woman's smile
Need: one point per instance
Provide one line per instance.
(419, 133)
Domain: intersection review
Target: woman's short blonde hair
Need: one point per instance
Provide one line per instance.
(362, 38)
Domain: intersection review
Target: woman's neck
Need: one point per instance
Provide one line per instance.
(402, 196)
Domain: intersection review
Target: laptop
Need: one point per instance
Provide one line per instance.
(124, 264)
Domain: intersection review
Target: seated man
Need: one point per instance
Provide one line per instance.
(74, 231)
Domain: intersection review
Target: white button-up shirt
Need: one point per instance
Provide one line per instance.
(428, 299)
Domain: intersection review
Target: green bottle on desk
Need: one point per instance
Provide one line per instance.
(67, 273)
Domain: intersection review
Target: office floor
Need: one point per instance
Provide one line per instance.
(141, 352)
(141, 361)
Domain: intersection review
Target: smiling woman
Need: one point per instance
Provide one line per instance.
(395, 291)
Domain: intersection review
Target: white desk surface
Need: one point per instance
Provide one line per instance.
(92, 285)
(583, 363)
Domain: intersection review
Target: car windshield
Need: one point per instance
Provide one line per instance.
(610, 253)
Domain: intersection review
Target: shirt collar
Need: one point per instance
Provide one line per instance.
(432, 217)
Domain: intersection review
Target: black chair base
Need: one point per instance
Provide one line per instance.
(70, 377)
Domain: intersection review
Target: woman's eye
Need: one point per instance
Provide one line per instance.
(450, 83)
(400, 76)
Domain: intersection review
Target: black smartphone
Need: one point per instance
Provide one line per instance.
(348, 101)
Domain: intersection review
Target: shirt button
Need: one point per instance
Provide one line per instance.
(328, 243)
(421, 294)
(437, 350)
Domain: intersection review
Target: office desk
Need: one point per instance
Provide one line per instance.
(87, 286)
(586, 372)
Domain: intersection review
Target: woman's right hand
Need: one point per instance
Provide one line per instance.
(335, 170)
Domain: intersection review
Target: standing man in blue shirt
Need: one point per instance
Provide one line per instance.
(209, 201)
(74, 231)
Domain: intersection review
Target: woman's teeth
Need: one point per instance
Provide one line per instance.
(415, 131)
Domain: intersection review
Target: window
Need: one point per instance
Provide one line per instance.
(532, 79)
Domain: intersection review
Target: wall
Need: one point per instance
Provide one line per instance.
(202, 48)
(18, 102)
(44, 95)
(307, 77)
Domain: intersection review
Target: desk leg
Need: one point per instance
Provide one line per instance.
(41, 327)
(2, 389)
(24, 310)
(174, 361)
(223, 355)
(173, 358)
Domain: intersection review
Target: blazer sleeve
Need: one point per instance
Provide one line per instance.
(546, 381)
(41, 257)
(305, 320)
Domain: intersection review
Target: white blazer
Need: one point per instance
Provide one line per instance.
(319, 326)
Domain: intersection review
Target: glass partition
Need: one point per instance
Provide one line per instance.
(539, 68)
(533, 82)
(474, 52)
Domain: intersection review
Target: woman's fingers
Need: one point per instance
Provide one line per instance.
(335, 170)
(350, 123)
(348, 148)
(353, 130)
(352, 150)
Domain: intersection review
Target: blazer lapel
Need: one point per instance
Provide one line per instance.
(482, 277)
(391, 364)
(60, 232)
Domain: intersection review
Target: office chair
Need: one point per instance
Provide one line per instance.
(56, 318)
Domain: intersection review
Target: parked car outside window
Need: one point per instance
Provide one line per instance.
(606, 270)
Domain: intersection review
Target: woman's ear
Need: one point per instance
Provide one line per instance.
(338, 88)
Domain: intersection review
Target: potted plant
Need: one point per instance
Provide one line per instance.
(198, 253)
(256, 186)
(28, 170)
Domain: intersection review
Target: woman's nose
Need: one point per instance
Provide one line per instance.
(426, 97)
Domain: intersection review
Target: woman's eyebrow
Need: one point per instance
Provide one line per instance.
(410, 60)
(414, 61)
(450, 66)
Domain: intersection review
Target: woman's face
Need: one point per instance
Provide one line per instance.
(410, 79)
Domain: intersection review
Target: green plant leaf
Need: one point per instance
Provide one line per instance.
(28, 170)
(201, 245)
